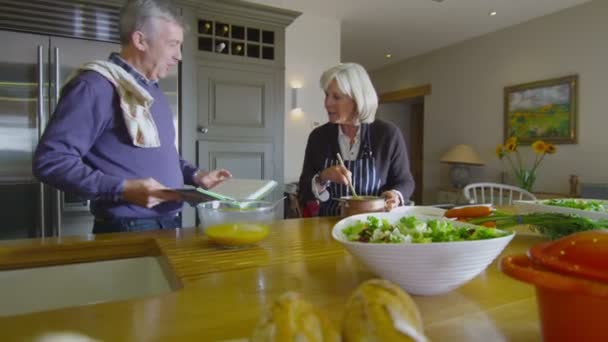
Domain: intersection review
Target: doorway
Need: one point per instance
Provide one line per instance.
(405, 108)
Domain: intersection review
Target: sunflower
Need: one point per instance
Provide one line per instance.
(510, 151)
(500, 151)
(539, 147)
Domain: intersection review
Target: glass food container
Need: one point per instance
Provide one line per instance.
(236, 223)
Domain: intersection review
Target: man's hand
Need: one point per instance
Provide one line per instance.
(337, 174)
(147, 192)
(210, 179)
(391, 200)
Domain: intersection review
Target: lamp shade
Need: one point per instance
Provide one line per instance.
(461, 154)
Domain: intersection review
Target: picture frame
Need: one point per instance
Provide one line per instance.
(543, 110)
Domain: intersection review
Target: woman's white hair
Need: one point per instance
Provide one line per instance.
(353, 80)
(140, 15)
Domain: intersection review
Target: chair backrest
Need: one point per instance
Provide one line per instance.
(495, 193)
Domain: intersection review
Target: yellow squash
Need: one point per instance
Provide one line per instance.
(379, 310)
(292, 318)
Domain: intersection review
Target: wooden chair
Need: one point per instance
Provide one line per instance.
(292, 208)
(495, 193)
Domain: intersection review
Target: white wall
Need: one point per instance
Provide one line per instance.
(313, 45)
(466, 104)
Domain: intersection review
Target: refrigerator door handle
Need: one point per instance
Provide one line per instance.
(57, 222)
(41, 123)
(57, 72)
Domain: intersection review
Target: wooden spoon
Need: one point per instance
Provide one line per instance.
(350, 184)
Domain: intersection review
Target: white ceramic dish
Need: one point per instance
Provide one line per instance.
(527, 207)
(474, 205)
(419, 210)
(423, 269)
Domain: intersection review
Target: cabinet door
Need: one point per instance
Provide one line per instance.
(233, 102)
(243, 159)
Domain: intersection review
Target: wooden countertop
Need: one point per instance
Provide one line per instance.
(224, 290)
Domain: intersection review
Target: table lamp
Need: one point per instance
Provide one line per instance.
(460, 157)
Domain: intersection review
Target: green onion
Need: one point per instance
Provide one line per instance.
(551, 225)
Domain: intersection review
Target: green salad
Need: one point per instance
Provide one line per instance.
(410, 229)
(588, 205)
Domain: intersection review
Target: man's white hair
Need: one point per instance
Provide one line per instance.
(353, 80)
(140, 15)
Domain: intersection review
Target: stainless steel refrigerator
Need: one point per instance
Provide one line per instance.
(33, 68)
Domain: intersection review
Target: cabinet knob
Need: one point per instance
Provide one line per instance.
(203, 129)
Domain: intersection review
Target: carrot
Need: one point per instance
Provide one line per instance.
(489, 224)
(473, 211)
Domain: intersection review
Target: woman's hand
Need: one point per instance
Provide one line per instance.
(337, 174)
(210, 179)
(391, 200)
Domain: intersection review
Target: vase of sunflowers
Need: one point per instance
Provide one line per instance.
(525, 177)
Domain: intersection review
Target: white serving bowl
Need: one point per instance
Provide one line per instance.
(538, 206)
(422, 269)
(419, 210)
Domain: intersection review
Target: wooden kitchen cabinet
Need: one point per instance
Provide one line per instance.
(240, 69)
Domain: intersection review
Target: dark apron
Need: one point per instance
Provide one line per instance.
(365, 178)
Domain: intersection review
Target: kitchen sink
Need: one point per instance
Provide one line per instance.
(53, 287)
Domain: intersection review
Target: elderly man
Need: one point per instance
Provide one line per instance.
(111, 138)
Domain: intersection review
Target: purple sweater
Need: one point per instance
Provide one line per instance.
(86, 149)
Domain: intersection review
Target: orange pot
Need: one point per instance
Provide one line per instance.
(571, 279)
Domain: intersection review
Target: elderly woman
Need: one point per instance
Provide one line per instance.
(373, 151)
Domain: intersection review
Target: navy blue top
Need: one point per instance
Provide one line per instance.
(86, 148)
(381, 141)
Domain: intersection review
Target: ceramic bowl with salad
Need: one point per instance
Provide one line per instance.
(425, 255)
(591, 208)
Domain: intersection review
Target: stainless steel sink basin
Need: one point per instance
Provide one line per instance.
(52, 287)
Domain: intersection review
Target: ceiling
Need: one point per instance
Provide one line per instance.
(405, 28)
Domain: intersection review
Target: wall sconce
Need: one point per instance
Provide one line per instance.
(294, 98)
(295, 87)
(296, 110)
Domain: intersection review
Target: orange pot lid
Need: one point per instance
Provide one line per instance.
(583, 254)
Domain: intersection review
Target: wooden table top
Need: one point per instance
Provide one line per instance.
(223, 291)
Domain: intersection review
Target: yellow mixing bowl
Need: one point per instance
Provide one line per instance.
(237, 234)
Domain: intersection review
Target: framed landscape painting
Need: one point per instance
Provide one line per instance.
(545, 110)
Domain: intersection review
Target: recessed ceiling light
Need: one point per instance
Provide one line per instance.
(388, 55)
(493, 13)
